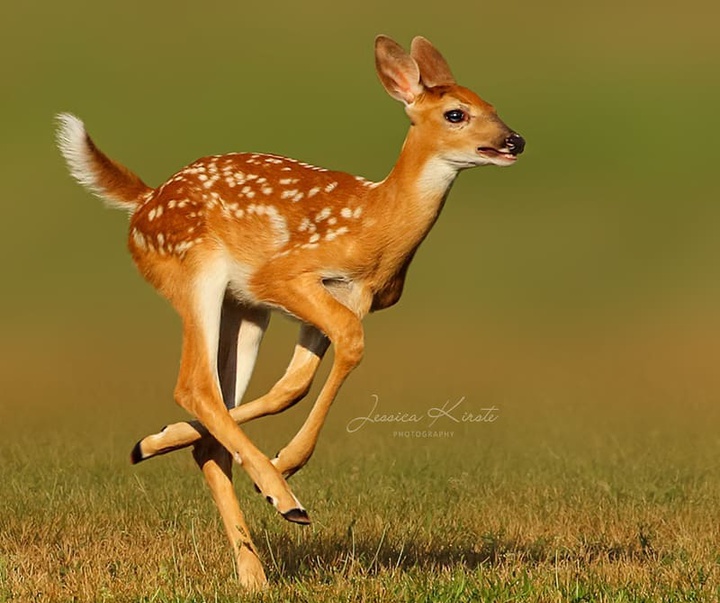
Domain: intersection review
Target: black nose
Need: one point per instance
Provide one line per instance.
(515, 143)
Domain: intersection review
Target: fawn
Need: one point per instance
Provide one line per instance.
(229, 238)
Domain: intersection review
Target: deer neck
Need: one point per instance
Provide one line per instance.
(416, 189)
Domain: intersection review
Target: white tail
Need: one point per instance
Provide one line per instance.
(231, 237)
(110, 181)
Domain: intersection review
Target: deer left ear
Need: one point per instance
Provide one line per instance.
(434, 69)
(397, 70)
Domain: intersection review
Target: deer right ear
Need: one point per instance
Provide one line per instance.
(397, 70)
(434, 69)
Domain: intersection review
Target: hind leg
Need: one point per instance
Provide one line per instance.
(216, 465)
(198, 387)
(241, 332)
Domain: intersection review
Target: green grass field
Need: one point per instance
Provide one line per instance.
(595, 485)
(576, 294)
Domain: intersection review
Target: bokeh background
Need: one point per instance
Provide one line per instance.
(577, 292)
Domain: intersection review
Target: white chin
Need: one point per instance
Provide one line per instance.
(499, 159)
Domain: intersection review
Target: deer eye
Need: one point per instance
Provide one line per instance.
(455, 116)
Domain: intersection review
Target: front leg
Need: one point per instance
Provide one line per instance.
(296, 454)
(337, 313)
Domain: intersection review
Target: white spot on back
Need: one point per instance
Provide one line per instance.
(333, 234)
(279, 223)
(306, 224)
(138, 238)
(324, 214)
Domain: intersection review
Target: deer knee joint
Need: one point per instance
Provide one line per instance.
(184, 395)
(190, 394)
(350, 349)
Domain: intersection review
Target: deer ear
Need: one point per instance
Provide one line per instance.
(397, 70)
(434, 69)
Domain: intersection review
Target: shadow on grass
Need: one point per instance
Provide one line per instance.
(293, 560)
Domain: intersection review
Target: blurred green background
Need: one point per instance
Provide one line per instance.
(587, 270)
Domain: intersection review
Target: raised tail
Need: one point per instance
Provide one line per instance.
(112, 182)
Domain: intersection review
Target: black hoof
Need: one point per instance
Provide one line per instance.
(297, 516)
(136, 455)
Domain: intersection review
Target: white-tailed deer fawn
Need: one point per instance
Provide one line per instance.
(230, 238)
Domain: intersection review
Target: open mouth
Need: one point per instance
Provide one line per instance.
(495, 155)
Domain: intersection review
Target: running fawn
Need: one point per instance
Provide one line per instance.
(230, 238)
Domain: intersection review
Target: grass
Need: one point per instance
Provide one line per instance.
(546, 538)
(580, 491)
(398, 529)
